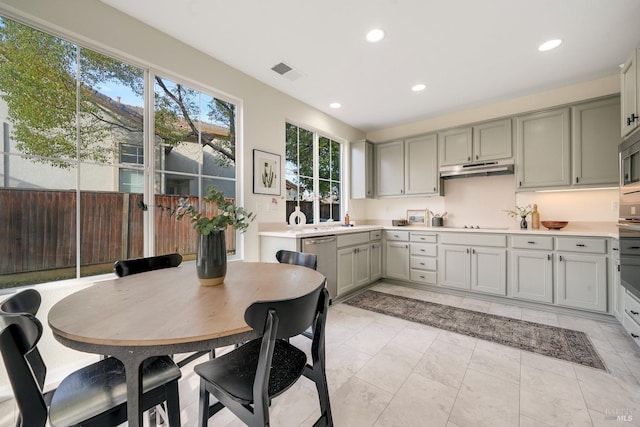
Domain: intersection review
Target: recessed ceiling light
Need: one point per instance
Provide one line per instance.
(550, 44)
(375, 35)
(335, 105)
(418, 87)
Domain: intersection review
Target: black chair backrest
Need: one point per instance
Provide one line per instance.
(294, 315)
(19, 334)
(140, 265)
(28, 301)
(297, 258)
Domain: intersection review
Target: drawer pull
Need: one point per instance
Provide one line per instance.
(422, 277)
(634, 247)
(615, 249)
(531, 243)
(422, 263)
(580, 245)
(635, 337)
(635, 313)
(423, 250)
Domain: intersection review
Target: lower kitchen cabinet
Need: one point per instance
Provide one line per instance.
(353, 261)
(582, 281)
(396, 254)
(474, 262)
(375, 249)
(532, 275)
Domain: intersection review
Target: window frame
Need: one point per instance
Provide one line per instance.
(317, 134)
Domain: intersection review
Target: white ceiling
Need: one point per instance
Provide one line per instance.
(467, 52)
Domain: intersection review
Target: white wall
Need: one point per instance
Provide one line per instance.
(480, 201)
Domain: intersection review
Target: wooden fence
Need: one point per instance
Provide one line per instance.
(38, 228)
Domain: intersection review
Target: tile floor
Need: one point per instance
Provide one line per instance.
(384, 371)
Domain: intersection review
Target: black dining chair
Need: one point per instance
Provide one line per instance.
(127, 267)
(91, 396)
(246, 379)
(297, 258)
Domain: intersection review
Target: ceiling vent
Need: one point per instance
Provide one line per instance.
(286, 71)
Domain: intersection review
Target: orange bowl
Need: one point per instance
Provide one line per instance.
(554, 225)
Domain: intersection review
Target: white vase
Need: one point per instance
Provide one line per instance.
(297, 219)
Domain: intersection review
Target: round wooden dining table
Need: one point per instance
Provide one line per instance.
(167, 312)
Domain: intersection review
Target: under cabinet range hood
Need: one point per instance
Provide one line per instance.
(493, 167)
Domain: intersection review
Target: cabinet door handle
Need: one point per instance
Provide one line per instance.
(614, 249)
(577, 179)
(548, 257)
(467, 250)
(468, 159)
(434, 189)
(560, 258)
(401, 191)
(520, 184)
(477, 157)
(634, 247)
(634, 117)
(635, 337)
(635, 313)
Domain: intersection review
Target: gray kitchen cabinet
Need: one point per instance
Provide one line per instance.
(389, 159)
(421, 165)
(396, 254)
(492, 140)
(581, 280)
(618, 292)
(473, 262)
(362, 170)
(594, 142)
(630, 94)
(375, 251)
(482, 142)
(353, 262)
(455, 146)
(423, 253)
(532, 268)
(543, 149)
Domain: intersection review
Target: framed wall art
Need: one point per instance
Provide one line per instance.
(266, 173)
(417, 217)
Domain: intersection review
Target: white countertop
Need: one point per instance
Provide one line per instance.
(586, 229)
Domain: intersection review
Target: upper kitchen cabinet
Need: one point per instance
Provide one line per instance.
(479, 143)
(389, 166)
(361, 170)
(543, 149)
(408, 167)
(492, 140)
(594, 142)
(455, 146)
(421, 165)
(630, 91)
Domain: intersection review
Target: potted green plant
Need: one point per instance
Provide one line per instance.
(522, 212)
(211, 257)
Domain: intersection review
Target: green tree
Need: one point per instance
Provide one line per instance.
(45, 81)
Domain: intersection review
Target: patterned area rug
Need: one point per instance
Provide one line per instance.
(565, 344)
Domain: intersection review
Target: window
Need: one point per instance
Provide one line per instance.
(73, 186)
(313, 175)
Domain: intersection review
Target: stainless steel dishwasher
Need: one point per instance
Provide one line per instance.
(325, 248)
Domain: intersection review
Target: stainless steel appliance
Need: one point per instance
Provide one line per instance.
(325, 248)
(630, 178)
(629, 221)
